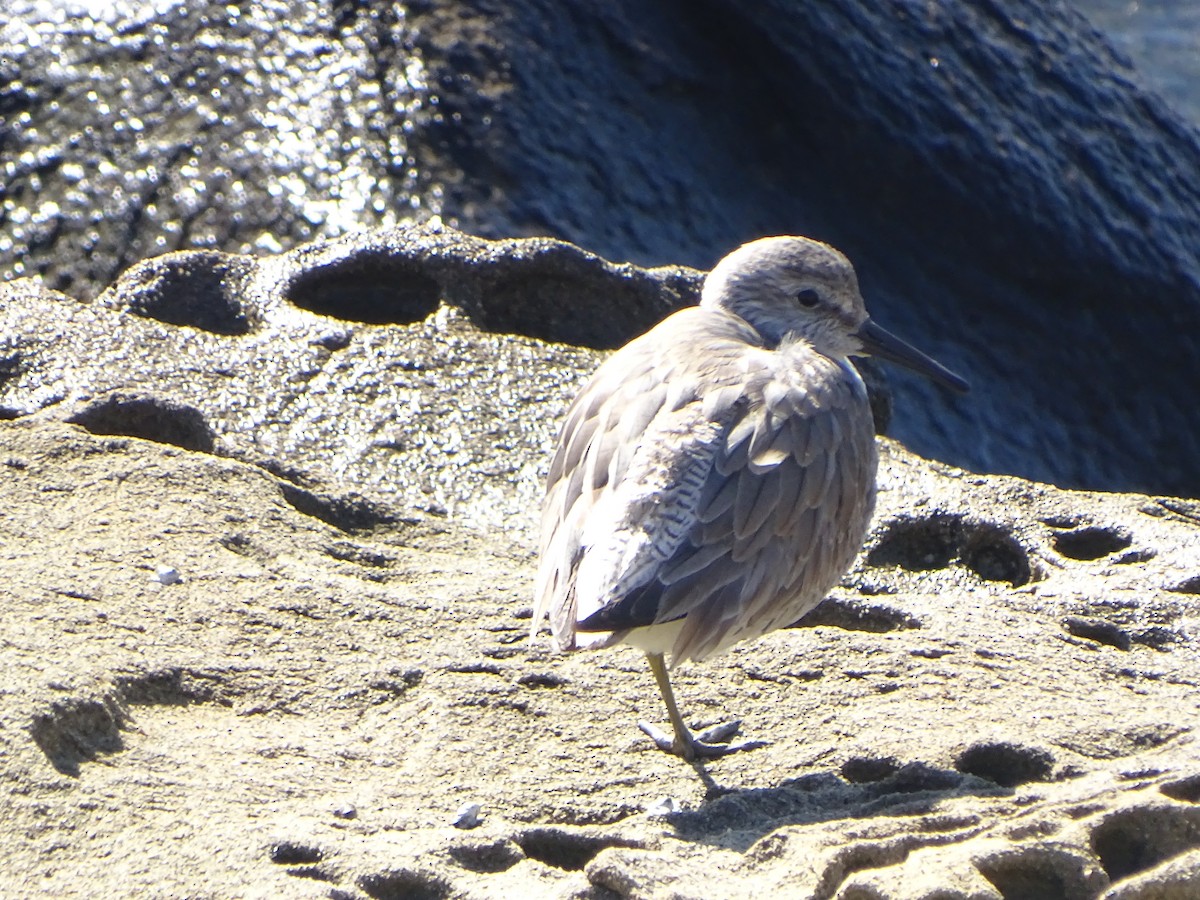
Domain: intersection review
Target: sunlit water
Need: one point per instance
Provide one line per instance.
(283, 121)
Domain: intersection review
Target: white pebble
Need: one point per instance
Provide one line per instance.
(664, 807)
(467, 816)
(166, 575)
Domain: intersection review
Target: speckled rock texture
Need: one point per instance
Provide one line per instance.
(267, 535)
(393, 361)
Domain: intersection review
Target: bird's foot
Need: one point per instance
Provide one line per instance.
(708, 744)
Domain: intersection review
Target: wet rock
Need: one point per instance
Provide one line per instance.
(1004, 185)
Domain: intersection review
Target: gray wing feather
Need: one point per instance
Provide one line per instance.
(779, 449)
(789, 485)
(699, 559)
(719, 496)
(800, 432)
(758, 497)
(688, 593)
(760, 530)
(791, 528)
(816, 477)
(803, 531)
(718, 531)
(737, 446)
(762, 455)
(748, 506)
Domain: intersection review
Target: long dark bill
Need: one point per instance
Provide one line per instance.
(882, 343)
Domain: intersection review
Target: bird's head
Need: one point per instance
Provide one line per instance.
(797, 288)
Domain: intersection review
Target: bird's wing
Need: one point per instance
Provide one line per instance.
(692, 479)
(608, 425)
(784, 512)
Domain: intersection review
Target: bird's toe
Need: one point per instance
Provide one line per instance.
(708, 744)
(720, 733)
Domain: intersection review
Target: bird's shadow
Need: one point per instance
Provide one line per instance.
(735, 818)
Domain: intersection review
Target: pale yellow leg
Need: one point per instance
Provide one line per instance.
(686, 744)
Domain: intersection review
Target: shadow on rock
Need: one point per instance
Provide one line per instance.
(736, 818)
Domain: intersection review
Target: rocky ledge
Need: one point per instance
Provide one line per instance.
(268, 539)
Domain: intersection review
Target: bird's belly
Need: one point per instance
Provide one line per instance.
(654, 638)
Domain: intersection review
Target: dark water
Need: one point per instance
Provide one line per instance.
(1162, 40)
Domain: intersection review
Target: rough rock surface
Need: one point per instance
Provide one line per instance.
(250, 650)
(1006, 188)
(392, 360)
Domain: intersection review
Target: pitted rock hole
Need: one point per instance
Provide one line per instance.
(291, 853)
(1185, 790)
(560, 310)
(488, 857)
(11, 366)
(936, 542)
(1061, 521)
(316, 873)
(1041, 873)
(1160, 637)
(866, 769)
(176, 687)
(150, 418)
(855, 615)
(1008, 765)
(396, 681)
(542, 680)
(1091, 542)
(916, 776)
(76, 730)
(1099, 630)
(349, 513)
(919, 545)
(561, 297)
(375, 289)
(562, 849)
(1190, 585)
(198, 288)
(354, 553)
(994, 555)
(1133, 840)
(404, 884)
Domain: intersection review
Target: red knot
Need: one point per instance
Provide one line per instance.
(716, 476)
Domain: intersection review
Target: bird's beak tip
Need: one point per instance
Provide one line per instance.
(879, 342)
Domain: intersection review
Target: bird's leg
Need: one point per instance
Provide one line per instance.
(686, 744)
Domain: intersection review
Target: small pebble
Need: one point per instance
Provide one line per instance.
(467, 816)
(664, 807)
(166, 575)
(345, 811)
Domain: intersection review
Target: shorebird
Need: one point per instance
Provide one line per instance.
(716, 476)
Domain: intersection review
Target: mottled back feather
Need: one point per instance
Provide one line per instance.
(704, 475)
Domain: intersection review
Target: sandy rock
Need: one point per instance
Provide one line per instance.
(365, 360)
(1000, 699)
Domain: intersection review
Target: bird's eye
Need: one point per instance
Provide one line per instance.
(808, 298)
